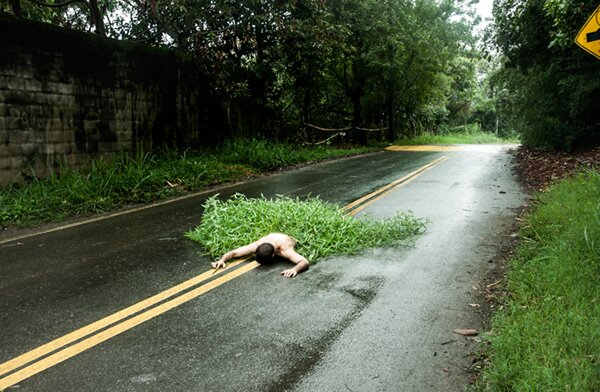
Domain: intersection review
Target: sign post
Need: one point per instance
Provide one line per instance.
(589, 35)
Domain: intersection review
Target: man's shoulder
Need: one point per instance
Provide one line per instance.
(277, 235)
(280, 239)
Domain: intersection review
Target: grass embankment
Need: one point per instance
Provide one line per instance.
(125, 180)
(547, 337)
(321, 228)
(458, 135)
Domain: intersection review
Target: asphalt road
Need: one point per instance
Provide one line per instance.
(382, 320)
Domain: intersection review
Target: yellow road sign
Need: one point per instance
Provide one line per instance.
(589, 35)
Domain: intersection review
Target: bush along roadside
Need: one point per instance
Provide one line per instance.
(129, 179)
(471, 134)
(547, 337)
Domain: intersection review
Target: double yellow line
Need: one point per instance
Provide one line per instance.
(67, 346)
(360, 204)
(116, 328)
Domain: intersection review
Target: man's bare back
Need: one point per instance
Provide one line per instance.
(283, 246)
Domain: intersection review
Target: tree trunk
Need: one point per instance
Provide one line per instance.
(357, 117)
(97, 18)
(391, 131)
(306, 107)
(15, 6)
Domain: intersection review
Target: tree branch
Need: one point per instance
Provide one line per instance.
(66, 3)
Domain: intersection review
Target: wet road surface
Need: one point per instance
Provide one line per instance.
(378, 321)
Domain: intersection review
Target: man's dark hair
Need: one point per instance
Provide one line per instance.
(265, 253)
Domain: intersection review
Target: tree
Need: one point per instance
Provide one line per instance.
(360, 63)
(66, 13)
(555, 94)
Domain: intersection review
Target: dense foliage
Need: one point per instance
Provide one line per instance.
(321, 228)
(551, 86)
(398, 66)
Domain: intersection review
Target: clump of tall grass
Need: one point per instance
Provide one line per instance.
(321, 228)
(107, 184)
(265, 155)
(548, 336)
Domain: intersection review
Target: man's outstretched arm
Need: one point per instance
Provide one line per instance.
(299, 260)
(239, 252)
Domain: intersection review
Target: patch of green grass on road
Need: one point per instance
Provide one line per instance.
(321, 228)
(126, 179)
(547, 337)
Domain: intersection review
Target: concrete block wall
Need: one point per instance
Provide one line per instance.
(67, 97)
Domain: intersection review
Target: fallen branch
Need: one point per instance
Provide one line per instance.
(328, 129)
(345, 129)
(329, 138)
(493, 284)
(371, 129)
(466, 332)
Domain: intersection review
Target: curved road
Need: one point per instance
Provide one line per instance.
(126, 303)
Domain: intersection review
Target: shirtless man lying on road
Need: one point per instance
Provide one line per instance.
(265, 249)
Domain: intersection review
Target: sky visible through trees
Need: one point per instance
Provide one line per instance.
(484, 8)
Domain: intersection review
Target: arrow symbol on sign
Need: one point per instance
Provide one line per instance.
(594, 36)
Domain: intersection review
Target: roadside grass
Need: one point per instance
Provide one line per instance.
(457, 135)
(547, 337)
(321, 228)
(109, 184)
(263, 155)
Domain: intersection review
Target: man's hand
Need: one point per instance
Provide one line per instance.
(218, 264)
(290, 273)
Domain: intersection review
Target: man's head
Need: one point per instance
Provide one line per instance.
(265, 253)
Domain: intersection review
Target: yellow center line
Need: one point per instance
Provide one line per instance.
(102, 323)
(390, 185)
(103, 336)
(119, 326)
(398, 185)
